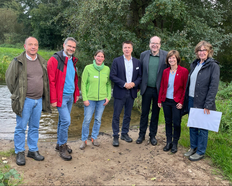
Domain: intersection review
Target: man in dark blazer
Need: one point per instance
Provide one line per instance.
(153, 64)
(126, 74)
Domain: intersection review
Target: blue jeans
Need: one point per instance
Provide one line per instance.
(88, 113)
(198, 137)
(64, 119)
(30, 115)
(127, 102)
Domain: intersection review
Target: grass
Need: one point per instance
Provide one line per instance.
(8, 54)
(219, 148)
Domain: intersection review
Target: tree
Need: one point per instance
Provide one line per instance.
(105, 24)
(47, 23)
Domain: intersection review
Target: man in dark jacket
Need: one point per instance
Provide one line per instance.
(63, 81)
(27, 80)
(153, 64)
(126, 74)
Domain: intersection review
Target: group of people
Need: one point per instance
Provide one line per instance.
(36, 85)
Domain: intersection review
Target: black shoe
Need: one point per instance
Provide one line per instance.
(115, 142)
(140, 139)
(174, 148)
(126, 137)
(153, 141)
(167, 147)
(20, 158)
(35, 155)
(67, 146)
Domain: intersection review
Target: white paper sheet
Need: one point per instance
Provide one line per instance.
(198, 119)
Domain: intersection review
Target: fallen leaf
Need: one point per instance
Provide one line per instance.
(153, 178)
(5, 161)
(4, 158)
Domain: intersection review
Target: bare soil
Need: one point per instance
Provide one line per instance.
(128, 164)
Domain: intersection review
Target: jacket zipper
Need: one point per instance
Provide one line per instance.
(98, 84)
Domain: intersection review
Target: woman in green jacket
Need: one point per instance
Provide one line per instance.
(96, 93)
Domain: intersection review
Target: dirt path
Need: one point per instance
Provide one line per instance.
(129, 164)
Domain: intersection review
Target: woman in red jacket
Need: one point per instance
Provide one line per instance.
(171, 95)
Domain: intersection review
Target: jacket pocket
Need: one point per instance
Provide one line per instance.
(15, 103)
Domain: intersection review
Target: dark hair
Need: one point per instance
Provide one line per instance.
(207, 46)
(176, 54)
(99, 51)
(127, 42)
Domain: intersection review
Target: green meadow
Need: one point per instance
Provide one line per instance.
(8, 54)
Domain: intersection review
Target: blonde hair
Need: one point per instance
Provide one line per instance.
(207, 46)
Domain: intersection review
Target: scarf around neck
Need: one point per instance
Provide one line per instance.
(98, 68)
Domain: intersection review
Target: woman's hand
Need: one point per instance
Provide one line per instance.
(179, 106)
(207, 111)
(107, 101)
(86, 103)
(159, 105)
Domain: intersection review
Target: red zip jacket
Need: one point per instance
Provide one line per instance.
(56, 68)
(179, 85)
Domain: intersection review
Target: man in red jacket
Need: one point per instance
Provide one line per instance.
(63, 81)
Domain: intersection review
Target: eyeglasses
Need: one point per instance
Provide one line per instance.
(205, 50)
(155, 43)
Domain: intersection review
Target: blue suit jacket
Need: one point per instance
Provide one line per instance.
(118, 76)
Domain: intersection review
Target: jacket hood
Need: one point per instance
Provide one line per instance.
(207, 61)
(62, 58)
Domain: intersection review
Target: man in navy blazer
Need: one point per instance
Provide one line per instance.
(126, 74)
(153, 64)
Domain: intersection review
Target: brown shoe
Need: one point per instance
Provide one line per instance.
(95, 142)
(68, 148)
(64, 153)
(83, 145)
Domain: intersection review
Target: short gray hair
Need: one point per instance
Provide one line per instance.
(70, 39)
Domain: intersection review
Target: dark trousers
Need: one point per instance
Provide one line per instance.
(172, 117)
(127, 102)
(149, 95)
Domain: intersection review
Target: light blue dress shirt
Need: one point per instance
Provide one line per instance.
(129, 69)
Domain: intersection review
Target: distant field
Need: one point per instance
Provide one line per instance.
(8, 54)
(13, 52)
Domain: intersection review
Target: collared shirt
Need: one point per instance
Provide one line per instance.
(29, 57)
(129, 69)
(151, 54)
(67, 56)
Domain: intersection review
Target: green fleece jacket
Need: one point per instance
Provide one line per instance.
(95, 85)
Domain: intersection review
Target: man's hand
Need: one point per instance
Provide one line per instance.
(86, 103)
(159, 105)
(54, 104)
(77, 98)
(129, 85)
(107, 101)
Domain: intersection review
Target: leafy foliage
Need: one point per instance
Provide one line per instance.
(8, 177)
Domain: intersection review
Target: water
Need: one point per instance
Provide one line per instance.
(48, 122)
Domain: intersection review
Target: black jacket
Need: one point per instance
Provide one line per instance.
(206, 85)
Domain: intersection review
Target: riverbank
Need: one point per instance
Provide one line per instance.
(129, 164)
